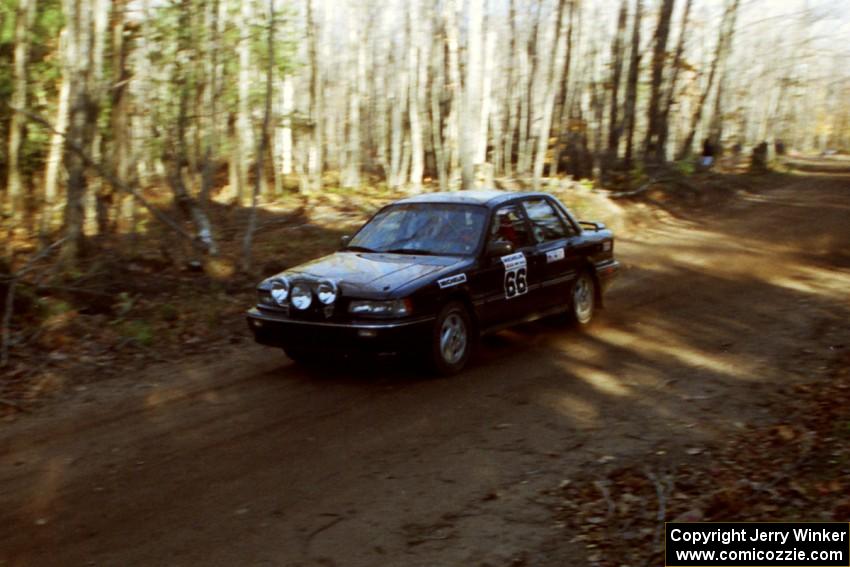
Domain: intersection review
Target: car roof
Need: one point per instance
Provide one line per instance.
(486, 197)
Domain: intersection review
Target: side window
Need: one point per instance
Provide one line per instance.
(509, 226)
(546, 223)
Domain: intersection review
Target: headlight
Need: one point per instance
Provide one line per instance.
(301, 296)
(280, 290)
(327, 292)
(395, 308)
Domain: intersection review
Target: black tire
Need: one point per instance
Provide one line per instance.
(452, 339)
(583, 299)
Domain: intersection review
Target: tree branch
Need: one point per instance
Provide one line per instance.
(8, 308)
(114, 180)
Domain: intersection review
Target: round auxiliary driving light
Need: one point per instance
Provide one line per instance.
(301, 296)
(327, 292)
(280, 290)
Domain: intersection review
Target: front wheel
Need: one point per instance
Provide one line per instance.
(583, 299)
(452, 339)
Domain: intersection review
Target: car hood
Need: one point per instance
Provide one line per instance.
(373, 272)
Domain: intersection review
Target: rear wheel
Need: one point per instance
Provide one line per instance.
(452, 339)
(583, 298)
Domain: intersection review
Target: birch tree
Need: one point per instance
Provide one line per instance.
(263, 136)
(77, 66)
(615, 127)
(630, 111)
(24, 17)
(725, 32)
(653, 149)
(552, 80)
(471, 115)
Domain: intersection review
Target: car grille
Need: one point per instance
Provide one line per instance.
(337, 312)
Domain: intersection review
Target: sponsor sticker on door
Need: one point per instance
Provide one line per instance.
(452, 281)
(554, 255)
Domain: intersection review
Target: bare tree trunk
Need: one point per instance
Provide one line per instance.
(398, 170)
(471, 115)
(416, 97)
(562, 117)
(652, 148)
(437, 91)
(357, 85)
(24, 19)
(315, 160)
(262, 143)
(727, 28)
(455, 89)
(120, 126)
(664, 126)
(630, 110)
(715, 130)
(552, 80)
(288, 106)
(99, 200)
(525, 142)
(510, 100)
(615, 127)
(175, 154)
(212, 89)
(81, 122)
(244, 134)
(57, 143)
(489, 53)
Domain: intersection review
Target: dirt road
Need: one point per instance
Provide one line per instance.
(245, 459)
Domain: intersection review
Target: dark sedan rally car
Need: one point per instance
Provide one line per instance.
(430, 273)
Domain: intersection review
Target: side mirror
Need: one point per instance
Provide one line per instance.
(499, 248)
(344, 240)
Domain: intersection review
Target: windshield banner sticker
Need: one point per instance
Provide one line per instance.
(554, 255)
(516, 272)
(452, 281)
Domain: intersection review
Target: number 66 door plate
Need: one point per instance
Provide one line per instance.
(516, 273)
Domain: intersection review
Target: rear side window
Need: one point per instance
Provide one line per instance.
(546, 223)
(509, 226)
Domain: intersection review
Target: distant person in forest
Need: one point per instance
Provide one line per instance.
(779, 147)
(758, 163)
(707, 159)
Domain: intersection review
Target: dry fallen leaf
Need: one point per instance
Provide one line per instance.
(785, 432)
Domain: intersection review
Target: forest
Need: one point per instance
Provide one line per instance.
(116, 110)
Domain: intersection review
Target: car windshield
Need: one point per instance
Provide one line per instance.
(420, 228)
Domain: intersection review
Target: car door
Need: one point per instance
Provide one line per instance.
(512, 280)
(555, 240)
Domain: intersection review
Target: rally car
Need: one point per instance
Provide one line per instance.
(430, 273)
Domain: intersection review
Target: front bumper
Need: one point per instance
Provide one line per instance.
(366, 337)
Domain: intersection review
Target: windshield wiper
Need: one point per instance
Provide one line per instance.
(359, 249)
(409, 251)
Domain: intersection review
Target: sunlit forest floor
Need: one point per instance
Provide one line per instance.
(139, 300)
